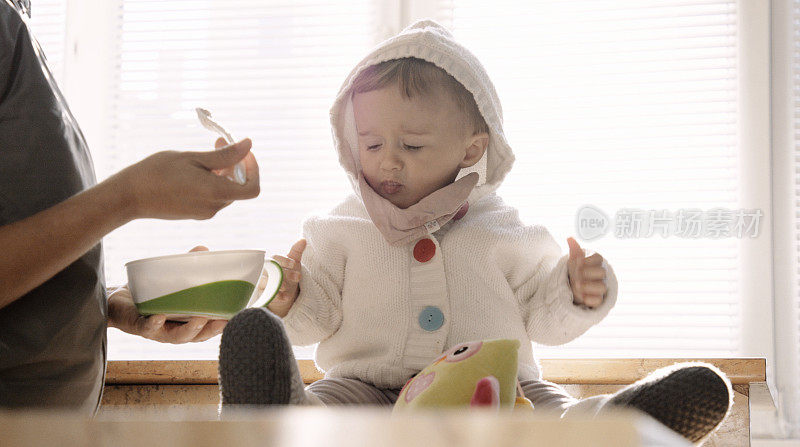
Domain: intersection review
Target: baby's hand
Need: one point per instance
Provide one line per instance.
(289, 290)
(586, 276)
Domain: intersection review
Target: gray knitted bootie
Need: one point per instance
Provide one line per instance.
(690, 398)
(256, 362)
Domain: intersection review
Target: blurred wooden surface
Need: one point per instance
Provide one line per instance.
(150, 384)
(307, 427)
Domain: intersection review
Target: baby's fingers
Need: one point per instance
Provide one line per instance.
(292, 276)
(262, 282)
(291, 269)
(288, 287)
(595, 259)
(284, 297)
(594, 273)
(284, 262)
(593, 300)
(593, 288)
(296, 252)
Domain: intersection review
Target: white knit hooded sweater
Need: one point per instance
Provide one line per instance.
(491, 276)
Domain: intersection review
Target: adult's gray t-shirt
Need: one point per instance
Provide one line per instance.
(53, 339)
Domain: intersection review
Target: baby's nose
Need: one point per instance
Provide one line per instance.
(391, 161)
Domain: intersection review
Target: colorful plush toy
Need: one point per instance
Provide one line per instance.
(472, 374)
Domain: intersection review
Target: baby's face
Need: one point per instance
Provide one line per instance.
(408, 148)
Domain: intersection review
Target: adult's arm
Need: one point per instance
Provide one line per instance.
(166, 185)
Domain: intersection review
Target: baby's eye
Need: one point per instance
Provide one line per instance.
(373, 147)
(413, 148)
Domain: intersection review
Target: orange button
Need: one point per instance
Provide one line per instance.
(424, 250)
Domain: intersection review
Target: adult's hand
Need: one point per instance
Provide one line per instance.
(122, 314)
(186, 185)
(166, 185)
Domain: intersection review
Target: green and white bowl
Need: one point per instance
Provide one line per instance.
(215, 284)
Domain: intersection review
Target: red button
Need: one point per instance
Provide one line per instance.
(424, 250)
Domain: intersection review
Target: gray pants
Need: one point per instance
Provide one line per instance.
(546, 396)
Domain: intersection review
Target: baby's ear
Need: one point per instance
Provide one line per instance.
(476, 146)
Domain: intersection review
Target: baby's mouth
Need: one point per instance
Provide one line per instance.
(390, 187)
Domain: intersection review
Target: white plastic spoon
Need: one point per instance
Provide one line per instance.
(205, 119)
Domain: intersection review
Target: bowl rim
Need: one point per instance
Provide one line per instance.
(192, 254)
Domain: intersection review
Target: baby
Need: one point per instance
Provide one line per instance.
(425, 256)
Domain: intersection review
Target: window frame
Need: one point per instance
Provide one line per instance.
(86, 85)
(785, 385)
(755, 172)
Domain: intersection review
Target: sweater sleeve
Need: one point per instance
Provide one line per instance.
(317, 312)
(545, 296)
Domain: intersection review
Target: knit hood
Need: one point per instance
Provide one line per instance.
(432, 42)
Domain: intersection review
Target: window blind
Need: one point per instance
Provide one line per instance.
(624, 105)
(48, 20)
(618, 105)
(266, 70)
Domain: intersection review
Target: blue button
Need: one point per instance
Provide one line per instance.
(431, 318)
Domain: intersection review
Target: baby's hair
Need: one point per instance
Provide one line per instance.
(418, 76)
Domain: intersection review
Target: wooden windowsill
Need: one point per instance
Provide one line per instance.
(563, 371)
(192, 385)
